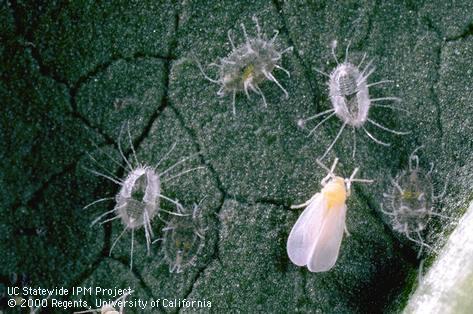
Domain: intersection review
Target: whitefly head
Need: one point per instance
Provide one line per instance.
(335, 188)
(248, 65)
(350, 100)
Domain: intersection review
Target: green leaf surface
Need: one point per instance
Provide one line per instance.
(77, 76)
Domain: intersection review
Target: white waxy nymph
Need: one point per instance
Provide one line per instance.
(183, 239)
(409, 201)
(350, 99)
(249, 65)
(138, 200)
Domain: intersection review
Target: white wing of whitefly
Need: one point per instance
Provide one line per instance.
(447, 286)
(325, 253)
(303, 236)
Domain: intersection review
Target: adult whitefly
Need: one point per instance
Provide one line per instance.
(410, 201)
(315, 239)
(137, 202)
(350, 99)
(248, 65)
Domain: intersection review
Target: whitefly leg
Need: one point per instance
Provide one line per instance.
(346, 230)
(305, 204)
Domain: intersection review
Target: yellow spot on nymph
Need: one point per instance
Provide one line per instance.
(335, 192)
(248, 72)
(410, 195)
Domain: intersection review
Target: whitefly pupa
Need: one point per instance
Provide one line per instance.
(410, 201)
(137, 202)
(249, 65)
(350, 99)
(183, 238)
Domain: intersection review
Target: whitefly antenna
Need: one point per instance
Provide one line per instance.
(351, 179)
(332, 169)
(330, 172)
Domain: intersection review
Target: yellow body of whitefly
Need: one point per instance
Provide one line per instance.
(335, 193)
